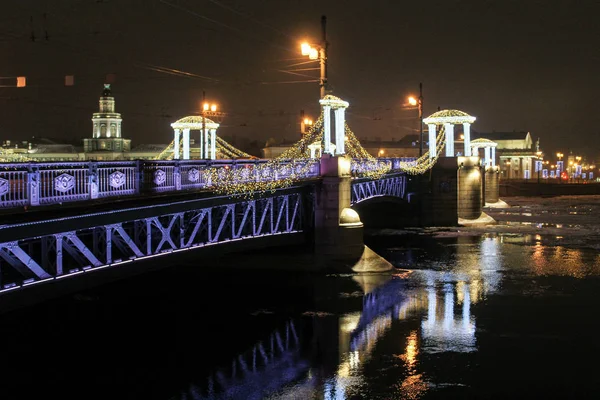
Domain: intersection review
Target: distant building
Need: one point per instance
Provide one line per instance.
(515, 152)
(106, 142)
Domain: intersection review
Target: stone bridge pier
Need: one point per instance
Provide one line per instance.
(339, 241)
(453, 193)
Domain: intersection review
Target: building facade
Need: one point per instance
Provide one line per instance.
(106, 142)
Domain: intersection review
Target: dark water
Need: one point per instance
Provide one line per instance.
(487, 315)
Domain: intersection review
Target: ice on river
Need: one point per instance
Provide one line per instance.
(572, 221)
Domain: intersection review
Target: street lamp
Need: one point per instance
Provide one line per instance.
(208, 110)
(419, 103)
(304, 124)
(319, 51)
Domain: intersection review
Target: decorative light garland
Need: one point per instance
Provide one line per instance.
(6, 156)
(296, 163)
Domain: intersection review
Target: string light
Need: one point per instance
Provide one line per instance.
(10, 157)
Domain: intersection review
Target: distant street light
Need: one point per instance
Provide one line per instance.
(305, 124)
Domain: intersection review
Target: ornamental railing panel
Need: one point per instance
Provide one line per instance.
(159, 176)
(117, 179)
(63, 182)
(13, 187)
(61, 254)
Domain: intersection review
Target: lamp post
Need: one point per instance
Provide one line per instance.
(319, 52)
(208, 110)
(419, 103)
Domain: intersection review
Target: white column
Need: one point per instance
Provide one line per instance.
(213, 144)
(493, 156)
(206, 147)
(201, 144)
(339, 131)
(312, 152)
(432, 143)
(487, 160)
(467, 142)
(186, 144)
(176, 144)
(475, 151)
(449, 140)
(326, 128)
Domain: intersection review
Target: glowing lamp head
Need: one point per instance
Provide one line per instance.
(213, 107)
(313, 54)
(412, 101)
(305, 48)
(205, 106)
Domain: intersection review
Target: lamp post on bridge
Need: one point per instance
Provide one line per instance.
(419, 103)
(208, 110)
(319, 52)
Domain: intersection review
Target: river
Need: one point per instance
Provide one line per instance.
(501, 311)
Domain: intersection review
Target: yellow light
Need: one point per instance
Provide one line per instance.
(412, 101)
(313, 54)
(205, 106)
(213, 107)
(306, 121)
(21, 81)
(462, 136)
(381, 152)
(305, 47)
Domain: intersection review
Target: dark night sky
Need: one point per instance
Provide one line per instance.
(515, 65)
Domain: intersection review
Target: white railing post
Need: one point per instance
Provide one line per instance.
(33, 187)
(176, 176)
(93, 179)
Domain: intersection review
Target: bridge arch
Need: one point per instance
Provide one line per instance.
(387, 212)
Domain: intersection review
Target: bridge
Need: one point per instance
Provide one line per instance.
(65, 220)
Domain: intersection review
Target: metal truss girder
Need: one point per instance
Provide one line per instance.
(387, 186)
(228, 211)
(96, 246)
(24, 258)
(166, 232)
(267, 210)
(79, 245)
(248, 208)
(127, 240)
(197, 226)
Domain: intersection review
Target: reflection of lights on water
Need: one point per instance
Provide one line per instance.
(413, 387)
(446, 332)
(354, 359)
(349, 322)
(412, 349)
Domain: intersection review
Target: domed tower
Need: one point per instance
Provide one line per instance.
(107, 123)
(106, 133)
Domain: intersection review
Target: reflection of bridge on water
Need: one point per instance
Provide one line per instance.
(442, 305)
(265, 368)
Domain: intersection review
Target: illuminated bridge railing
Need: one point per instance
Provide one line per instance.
(34, 184)
(360, 166)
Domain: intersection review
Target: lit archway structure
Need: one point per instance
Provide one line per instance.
(338, 106)
(449, 118)
(489, 147)
(208, 144)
